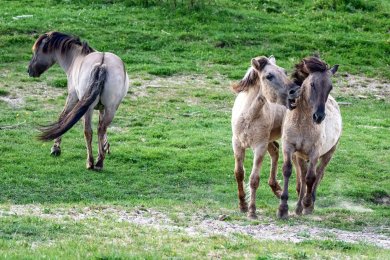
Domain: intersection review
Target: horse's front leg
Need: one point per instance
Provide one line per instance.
(287, 169)
(273, 150)
(88, 137)
(105, 118)
(308, 202)
(239, 172)
(71, 101)
(258, 155)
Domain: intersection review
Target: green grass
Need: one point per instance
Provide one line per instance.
(221, 37)
(171, 146)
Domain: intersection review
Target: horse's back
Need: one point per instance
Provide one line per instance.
(332, 126)
(116, 82)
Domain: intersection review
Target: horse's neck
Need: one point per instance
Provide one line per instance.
(273, 96)
(245, 99)
(68, 59)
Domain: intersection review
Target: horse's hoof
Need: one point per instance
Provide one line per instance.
(55, 151)
(307, 202)
(278, 193)
(276, 189)
(252, 215)
(282, 212)
(298, 210)
(99, 165)
(89, 165)
(308, 210)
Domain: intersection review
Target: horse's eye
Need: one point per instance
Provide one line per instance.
(269, 76)
(312, 85)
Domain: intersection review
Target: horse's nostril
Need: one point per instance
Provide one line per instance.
(318, 117)
(291, 92)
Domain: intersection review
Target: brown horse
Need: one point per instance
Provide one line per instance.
(96, 80)
(311, 131)
(256, 123)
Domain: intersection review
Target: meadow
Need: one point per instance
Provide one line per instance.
(168, 187)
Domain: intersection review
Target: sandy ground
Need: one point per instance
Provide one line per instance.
(344, 85)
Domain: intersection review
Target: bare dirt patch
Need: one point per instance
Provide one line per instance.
(362, 87)
(345, 85)
(200, 224)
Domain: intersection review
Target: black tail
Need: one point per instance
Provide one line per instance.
(95, 86)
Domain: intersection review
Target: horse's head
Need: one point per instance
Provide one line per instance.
(272, 78)
(41, 60)
(316, 86)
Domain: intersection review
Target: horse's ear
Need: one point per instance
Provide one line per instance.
(334, 69)
(272, 59)
(259, 64)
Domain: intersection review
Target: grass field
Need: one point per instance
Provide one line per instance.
(170, 176)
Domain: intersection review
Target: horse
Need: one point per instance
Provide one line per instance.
(311, 130)
(96, 80)
(257, 117)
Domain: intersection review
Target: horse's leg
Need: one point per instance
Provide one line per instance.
(287, 169)
(325, 159)
(106, 144)
(105, 120)
(258, 155)
(302, 165)
(273, 150)
(298, 173)
(71, 101)
(88, 137)
(310, 178)
(239, 172)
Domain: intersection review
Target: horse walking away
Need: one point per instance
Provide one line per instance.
(96, 80)
(311, 130)
(257, 122)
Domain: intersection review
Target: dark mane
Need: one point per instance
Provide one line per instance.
(305, 67)
(64, 42)
(251, 78)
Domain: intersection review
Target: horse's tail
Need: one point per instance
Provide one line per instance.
(95, 87)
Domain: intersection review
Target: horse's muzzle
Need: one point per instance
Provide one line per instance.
(318, 117)
(32, 73)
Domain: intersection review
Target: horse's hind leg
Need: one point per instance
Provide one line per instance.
(324, 161)
(239, 172)
(71, 101)
(88, 137)
(310, 178)
(105, 119)
(301, 167)
(258, 156)
(273, 150)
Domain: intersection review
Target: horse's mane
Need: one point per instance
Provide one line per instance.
(306, 66)
(251, 77)
(64, 42)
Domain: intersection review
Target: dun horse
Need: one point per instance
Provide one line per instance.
(96, 80)
(256, 123)
(311, 130)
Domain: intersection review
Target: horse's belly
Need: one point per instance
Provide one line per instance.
(331, 127)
